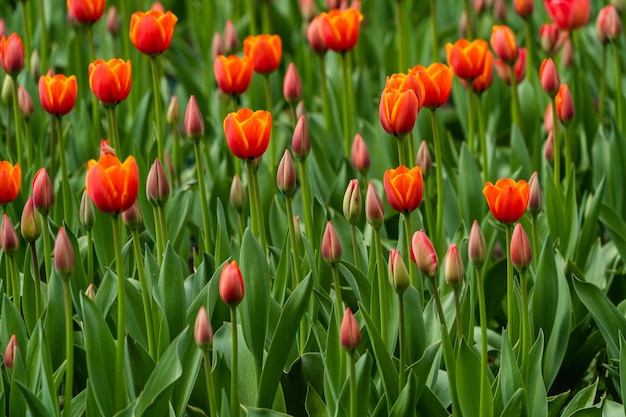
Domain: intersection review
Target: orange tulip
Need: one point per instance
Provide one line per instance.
(86, 11)
(437, 81)
(57, 94)
(503, 43)
(233, 74)
(264, 51)
(248, 132)
(111, 80)
(10, 181)
(340, 29)
(483, 82)
(12, 54)
(151, 32)
(403, 188)
(507, 199)
(568, 14)
(398, 111)
(524, 8)
(564, 104)
(112, 185)
(403, 82)
(467, 58)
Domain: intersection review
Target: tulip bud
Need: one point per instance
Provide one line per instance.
(308, 10)
(106, 148)
(504, 43)
(360, 155)
(286, 175)
(315, 38)
(25, 102)
(231, 285)
(35, 64)
(454, 267)
(564, 104)
(173, 111)
(86, 212)
(3, 28)
(423, 254)
(8, 236)
(218, 47)
(9, 353)
(479, 6)
(157, 186)
(397, 272)
(549, 77)
(477, 247)
(333, 4)
(113, 22)
(238, 196)
(132, 217)
(535, 199)
(292, 87)
(7, 89)
(521, 252)
(352, 202)
(374, 209)
(424, 159)
(300, 109)
(90, 292)
(548, 152)
(331, 245)
(30, 224)
(608, 24)
(43, 191)
(13, 54)
(350, 334)
(548, 123)
(194, 122)
(524, 8)
(63, 255)
(568, 53)
(202, 332)
(300, 141)
(231, 40)
(552, 38)
(499, 10)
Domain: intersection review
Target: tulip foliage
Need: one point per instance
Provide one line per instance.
(361, 211)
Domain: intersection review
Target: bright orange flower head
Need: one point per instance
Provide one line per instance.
(233, 74)
(403, 188)
(504, 43)
(248, 132)
(340, 29)
(483, 82)
(57, 94)
(86, 11)
(568, 14)
(112, 185)
(264, 51)
(398, 111)
(12, 54)
(507, 199)
(10, 181)
(437, 81)
(151, 32)
(467, 58)
(410, 81)
(524, 8)
(111, 80)
(564, 104)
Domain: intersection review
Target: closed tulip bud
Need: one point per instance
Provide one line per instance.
(157, 185)
(43, 191)
(286, 175)
(194, 122)
(477, 247)
(301, 141)
(549, 77)
(9, 353)
(8, 236)
(231, 285)
(352, 202)
(300, 109)
(564, 104)
(3, 28)
(374, 209)
(113, 21)
(499, 10)
(231, 40)
(315, 38)
(454, 267)
(308, 9)
(30, 224)
(568, 53)
(132, 217)
(331, 245)
(479, 6)
(90, 292)
(333, 4)
(218, 47)
(106, 148)
(35, 64)
(548, 123)
(504, 43)
(350, 334)
(86, 213)
(25, 102)
(535, 200)
(521, 252)
(64, 260)
(202, 332)
(7, 89)
(238, 196)
(552, 38)
(524, 8)
(423, 254)
(548, 152)
(608, 24)
(292, 87)
(360, 155)
(12, 54)
(423, 159)
(397, 272)
(173, 111)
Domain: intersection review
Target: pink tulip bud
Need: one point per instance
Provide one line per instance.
(173, 111)
(454, 271)
(105, 148)
(479, 6)
(350, 334)
(499, 10)
(608, 24)
(64, 260)
(238, 198)
(548, 123)
(535, 200)
(231, 284)
(548, 152)
(374, 209)
(202, 332)
(286, 175)
(423, 254)
(157, 185)
(552, 38)
(218, 47)
(397, 272)
(331, 245)
(90, 292)
(194, 122)
(231, 40)
(25, 102)
(43, 191)
(360, 155)
(477, 247)
(300, 141)
(424, 159)
(9, 353)
(549, 77)
(564, 104)
(352, 202)
(308, 9)
(314, 35)
(524, 8)
(132, 217)
(30, 224)
(521, 252)
(8, 236)
(568, 53)
(292, 87)
(113, 21)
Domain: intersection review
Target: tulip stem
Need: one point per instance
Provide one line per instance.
(159, 238)
(203, 198)
(401, 151)
(355, 247)
(95, 108)
(43, 47)
(557, 145)
(525, 327)
(401, 49)
(112, 128)
(602, 85)
(401, 337)
(442, 317)
(568, 155)
(353, 386)
(412, 271)
(512, 326)
(254, 220)
(159, 212)
(382, 285)
(156, 91)
(270, 106)
(266, 21)
(530, 69)
(120, 380)
(457, 308)
(325, 99)
(17, 122)
(209, 383)
(26, 21)
(517, 116)
(305, 193)
(470, 118)
(536, 248)
(618, 88)
(251, 15)
(176, 155)
(468, 16)
(69, 345)
(258, 206)
(338, 298)
(65, 182)
(29, 143)
(434, 35)
(483, 139)
(439, 173)
(295, 251)
(125, 16)
(47, 250)
(15, 282)
(482, 307)
(33, 252)
(145, 293)
(234, 398)
(344, 97)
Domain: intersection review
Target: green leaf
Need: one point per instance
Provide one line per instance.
(429, 405)
(520, 159)
(254, 308)
(405, 405)
(172, 291)
(284, 337)
(590, 225)
(556, 403)
(510, 375)
(315, 406)
(583, 399)
(622, 369)
(513, 407)
(470, 187)
(54, 323)
(259, 412)
(536, 390)
(468, 379)
(34, 404)
(222, 252)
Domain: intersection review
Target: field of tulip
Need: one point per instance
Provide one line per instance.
(315, 208)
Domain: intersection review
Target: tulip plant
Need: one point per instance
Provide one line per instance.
(365, 208)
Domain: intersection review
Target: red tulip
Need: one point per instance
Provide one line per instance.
(568, 14)
(110, 81)
(248, 132)
(86, 11)
(265, 51)
(151, 32)
(57, 94)
(112, 185)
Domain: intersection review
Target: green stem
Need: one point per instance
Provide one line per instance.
(209, 383)
(15, 279)
(47, 249)
(470, 117)
(120, 380)
(325, 99)
(242, 225)
(439, 172)
(29, 143)
(43, 47)
(69, 345)
(434, 35)
(65, 182)
(17, 123)
(401, 336)
(176, 155)
(8, 129)
(568, 155)
(234, 398)
(254, 220)
(557, 145)
(412, 153)
(602, 85)
(295, 251)
(26, 21)
(408, 231)
(156, 93)
(482, 307)
(126, 50)
(145, 293)
(89, 257)
(252, 22)
(269, 104)
(525, 328)
(160, 211)
(401, 151)
(159, 237)
(203, 197)
(483, 139)
(95, 108)
(338, 298)
(442, 317)
(305, 194)
(512, 326)
(266, 22)
(457, 308)
(428, 208)
(258, 208)
(516, 114)
(401, 48)
(618, 87)
(530, 67)
(355, 247)
(112, 128)
(536, 248)
(382, 284)
(468, 15)
(36, 276)
(344, 101)
(353, 386)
